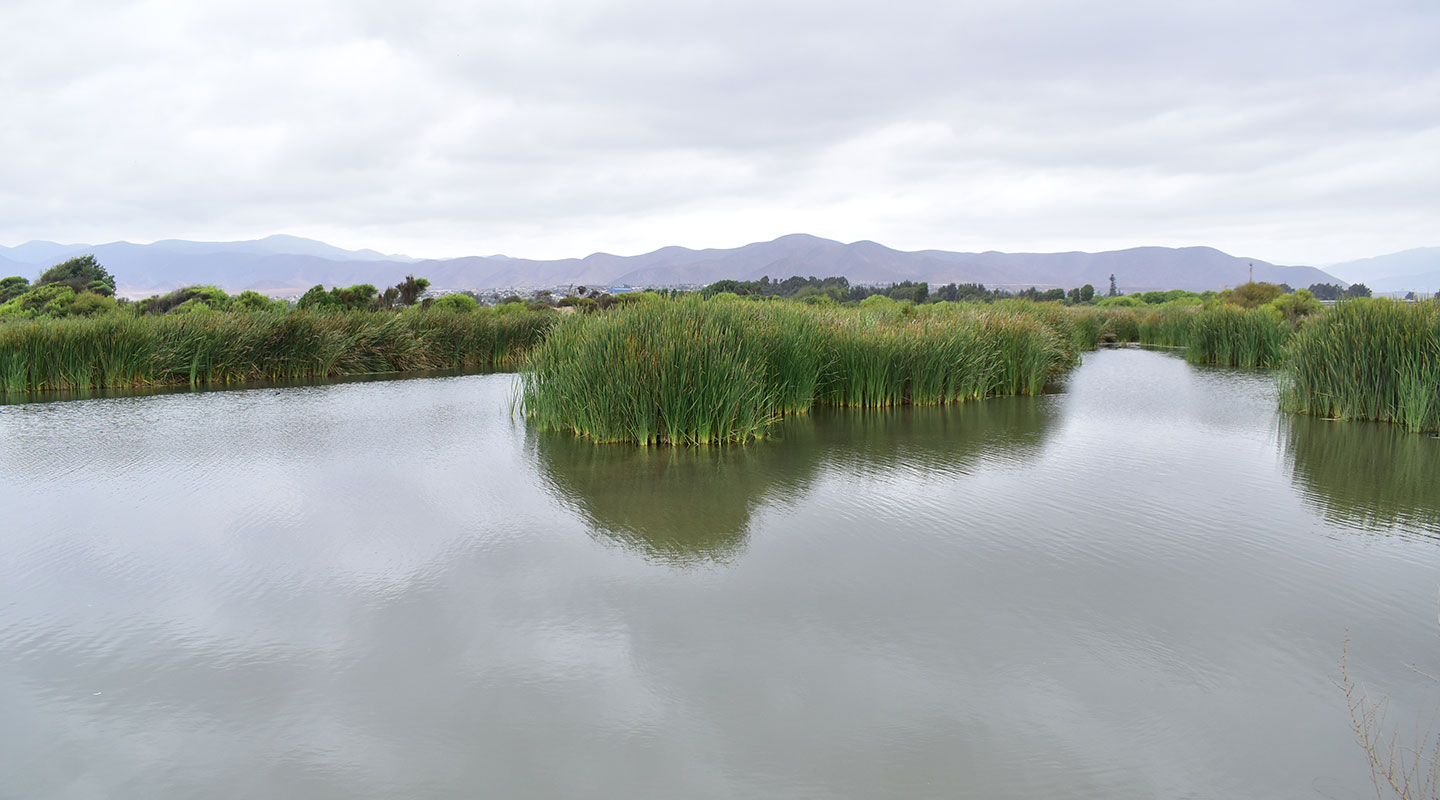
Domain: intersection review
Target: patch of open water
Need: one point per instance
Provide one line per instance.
(1137, 587)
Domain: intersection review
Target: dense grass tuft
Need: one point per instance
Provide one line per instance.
(120, 350)
(699, 371)
(1234, 337)
(1368, 359)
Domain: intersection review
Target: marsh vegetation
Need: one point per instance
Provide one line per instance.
(122, 350)
(696, 371)
(724, 364)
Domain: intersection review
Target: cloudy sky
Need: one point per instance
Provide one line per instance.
(1297, 132)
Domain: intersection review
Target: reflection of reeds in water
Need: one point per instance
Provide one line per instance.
(958, 439)
(1365, 475)
(694, 505)
(680, 505)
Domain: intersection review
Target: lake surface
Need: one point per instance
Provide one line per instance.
(1140, 586)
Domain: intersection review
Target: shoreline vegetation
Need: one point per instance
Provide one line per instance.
(119, 351)
(723, 364)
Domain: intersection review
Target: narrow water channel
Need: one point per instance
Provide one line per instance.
(1140, 586)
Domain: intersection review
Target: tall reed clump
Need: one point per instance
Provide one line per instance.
(1235, 337)
(699, 371)
(1168, 327)
(120, 350)
(1088, 324)
(688, 372)
(1120, 325)
(1368, 359)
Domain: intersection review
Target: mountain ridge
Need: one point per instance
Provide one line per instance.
(1413, 270)
(282, 264)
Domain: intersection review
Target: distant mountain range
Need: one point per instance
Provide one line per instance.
(1415, 270)
(288, 265)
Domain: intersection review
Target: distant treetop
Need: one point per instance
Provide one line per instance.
(82, 273)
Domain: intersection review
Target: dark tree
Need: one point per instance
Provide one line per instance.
(82, 273)
(1326, 291)
(12, 287)
(317, 298)
(1113, 291)
(410, 289)
(1357, 290)
(1087, 293)
(360, 297)
(974, 292)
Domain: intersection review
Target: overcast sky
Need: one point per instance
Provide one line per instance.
(1296, 132)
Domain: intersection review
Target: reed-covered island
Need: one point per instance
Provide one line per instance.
(695, 371)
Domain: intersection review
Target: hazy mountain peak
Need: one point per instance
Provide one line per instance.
(288, 264)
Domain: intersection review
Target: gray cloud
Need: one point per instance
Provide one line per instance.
(1295, 132)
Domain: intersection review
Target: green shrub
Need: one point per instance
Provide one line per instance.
(456, 302)
(187, 299)
(250, 300)
(48, 300)
(1295, 307)
(1119, 302)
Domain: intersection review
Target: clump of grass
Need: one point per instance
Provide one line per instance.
(1369, 359)
(1087, 322)
(123, 350)
(1120, 325)
(1169, 327)
(699, 372)
(685, 372)
(1234, 337)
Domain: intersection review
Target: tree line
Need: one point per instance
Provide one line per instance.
(840, 290)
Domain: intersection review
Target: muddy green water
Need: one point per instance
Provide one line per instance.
(1137, 587)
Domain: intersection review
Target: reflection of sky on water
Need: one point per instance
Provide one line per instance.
(394, 589)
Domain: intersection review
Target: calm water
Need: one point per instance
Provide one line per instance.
(1139, 587)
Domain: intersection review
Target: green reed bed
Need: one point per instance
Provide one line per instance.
(1224, 335)
(120, 350)
(1167, 327)
(653, 372)
(698, 371)
(1119, 325)
(1236, 337)
(1368, 360)
(1087, 325)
